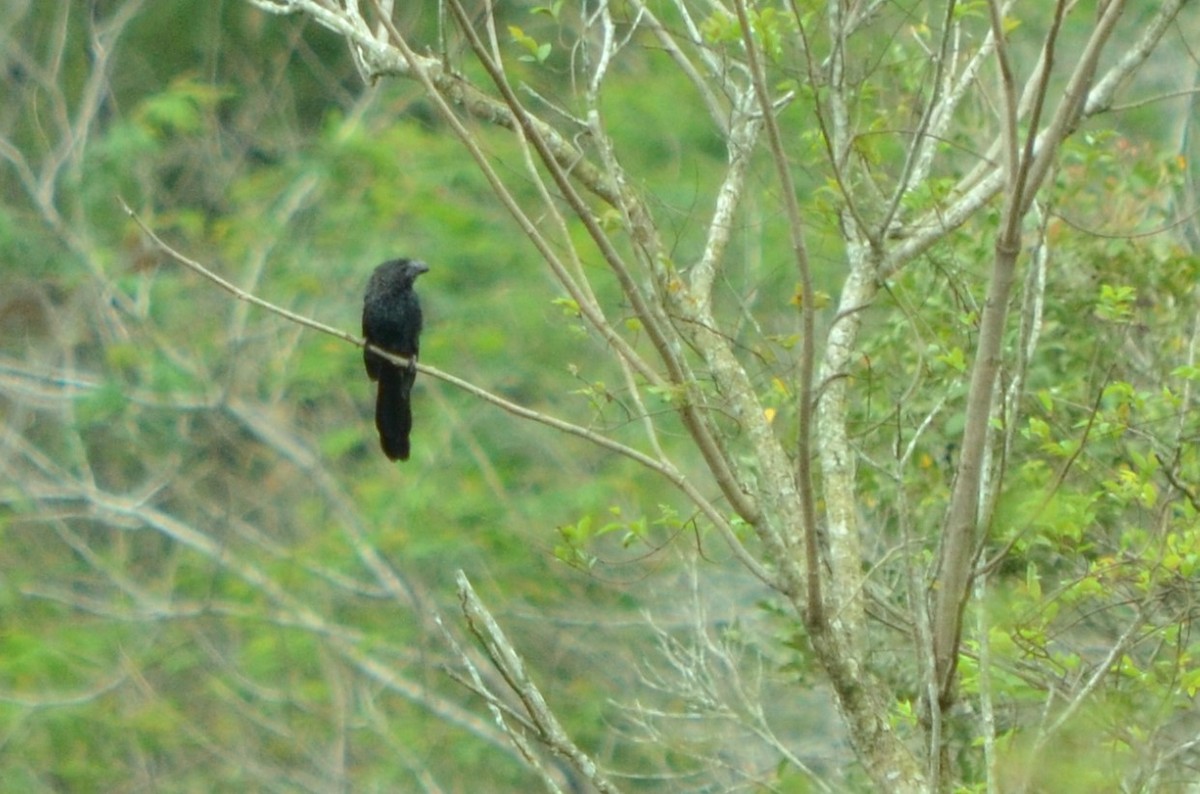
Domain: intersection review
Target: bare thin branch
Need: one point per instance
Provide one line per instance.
(506, 659)
(814, 604)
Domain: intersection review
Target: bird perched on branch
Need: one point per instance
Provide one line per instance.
(392, 322)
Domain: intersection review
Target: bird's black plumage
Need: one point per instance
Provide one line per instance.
(392, 322)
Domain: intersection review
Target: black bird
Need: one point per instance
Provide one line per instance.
(392, 322)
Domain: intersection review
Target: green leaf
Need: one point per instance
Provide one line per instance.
(954, 358)
(1115, 304)
(553, 10)
(535, 52)
(721, 27)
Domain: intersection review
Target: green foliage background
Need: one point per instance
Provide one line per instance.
(250, 144)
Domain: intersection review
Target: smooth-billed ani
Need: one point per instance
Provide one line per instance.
(392, 322)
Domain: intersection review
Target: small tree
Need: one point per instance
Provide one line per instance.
(955, 137)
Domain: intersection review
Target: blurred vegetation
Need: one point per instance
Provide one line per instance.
(251, 144)
(135, 657)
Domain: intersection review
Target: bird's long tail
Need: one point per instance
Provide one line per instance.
(393, 412)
